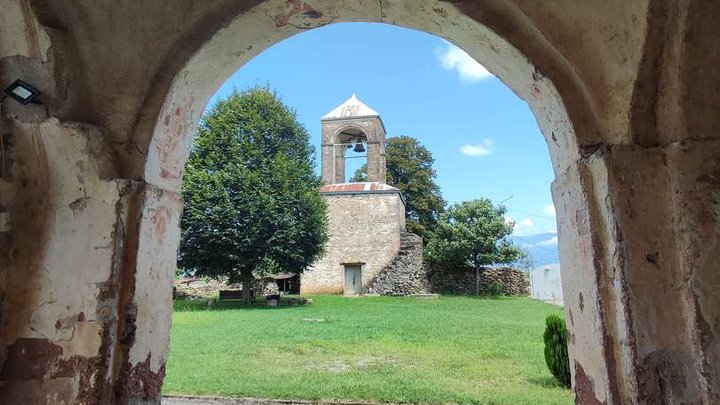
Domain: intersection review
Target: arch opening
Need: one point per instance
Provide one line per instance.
(89, 202)
(351, 144)
(171, 117)
(133, 179)
(173, 121)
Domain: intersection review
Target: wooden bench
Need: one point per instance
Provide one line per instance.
(230, 295)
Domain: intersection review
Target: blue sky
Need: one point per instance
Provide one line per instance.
(485, 140)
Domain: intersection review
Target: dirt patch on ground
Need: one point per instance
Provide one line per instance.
(341, 366)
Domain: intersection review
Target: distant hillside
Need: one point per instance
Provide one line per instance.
(543, 247)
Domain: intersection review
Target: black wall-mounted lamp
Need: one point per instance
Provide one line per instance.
(22, 92)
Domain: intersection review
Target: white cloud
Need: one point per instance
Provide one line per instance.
(522, 227)
(482, 149)
(549, 209)
(550, 242)
(453, 58)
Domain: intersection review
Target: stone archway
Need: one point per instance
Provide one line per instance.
(622, 93)
(337, 146)
(171, 121)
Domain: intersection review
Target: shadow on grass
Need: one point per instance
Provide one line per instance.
(546, 382)
(485, 296)
(258, 305)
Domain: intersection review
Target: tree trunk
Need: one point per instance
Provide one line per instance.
(247, 282)
(477, 280)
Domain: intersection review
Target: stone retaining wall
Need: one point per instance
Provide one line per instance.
(406, 274)
(462, 281)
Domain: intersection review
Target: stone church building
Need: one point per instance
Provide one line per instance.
(369, 250)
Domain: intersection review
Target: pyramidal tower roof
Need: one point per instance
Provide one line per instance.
(352, 107)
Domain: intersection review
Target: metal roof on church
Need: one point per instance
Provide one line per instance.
(358, 188)
(352, 107)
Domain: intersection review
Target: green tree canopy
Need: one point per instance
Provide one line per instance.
(473, 233)
(252, 200)
(410, 168)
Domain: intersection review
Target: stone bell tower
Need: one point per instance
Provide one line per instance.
(349, 126)
(366, 220)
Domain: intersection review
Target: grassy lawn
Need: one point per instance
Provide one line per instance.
(383, 349)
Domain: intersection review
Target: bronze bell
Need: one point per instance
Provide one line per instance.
(359, 148)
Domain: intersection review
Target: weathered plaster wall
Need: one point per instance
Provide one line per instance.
(363, 228)
(625, 93)
(68, 302)
(53, 324)
(70, 313)
(633, 236)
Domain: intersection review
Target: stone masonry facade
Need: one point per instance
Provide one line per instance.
(365, 228)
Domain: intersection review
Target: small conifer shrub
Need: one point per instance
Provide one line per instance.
(556, 351)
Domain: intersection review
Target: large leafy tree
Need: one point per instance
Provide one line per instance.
(410, 168)
(473, 233)
(252, 201)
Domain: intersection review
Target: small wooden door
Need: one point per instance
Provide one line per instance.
(353, 279)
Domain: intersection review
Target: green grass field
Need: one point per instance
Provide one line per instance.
(380, 349)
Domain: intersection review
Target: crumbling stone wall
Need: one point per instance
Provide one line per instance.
(406, 274)
(462, 280)
(410, 274)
